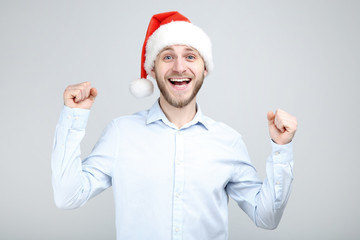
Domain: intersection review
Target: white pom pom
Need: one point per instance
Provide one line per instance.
(141, 88)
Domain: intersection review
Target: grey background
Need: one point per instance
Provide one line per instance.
(301, 56)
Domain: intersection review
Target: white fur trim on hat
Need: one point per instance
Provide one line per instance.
(182, 33)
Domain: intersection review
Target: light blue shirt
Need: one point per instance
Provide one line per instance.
(168, 183)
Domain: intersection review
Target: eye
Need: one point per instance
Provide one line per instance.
(191, 57)
(167, 57)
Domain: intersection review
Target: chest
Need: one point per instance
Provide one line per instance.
(198, 162)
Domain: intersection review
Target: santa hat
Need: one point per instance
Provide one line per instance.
(166, 29)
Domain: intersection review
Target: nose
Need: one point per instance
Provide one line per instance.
(179, 65)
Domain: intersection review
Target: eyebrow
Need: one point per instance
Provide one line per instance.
(167, 48)
(188, 49)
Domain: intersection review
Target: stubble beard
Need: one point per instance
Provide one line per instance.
(172, 100)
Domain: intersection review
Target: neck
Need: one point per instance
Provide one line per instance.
(178, 116)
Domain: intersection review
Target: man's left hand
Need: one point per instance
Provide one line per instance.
(282, 126)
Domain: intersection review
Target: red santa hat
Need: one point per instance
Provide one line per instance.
(166, 29)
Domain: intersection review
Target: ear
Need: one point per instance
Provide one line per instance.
(152, 73)
(205, 72)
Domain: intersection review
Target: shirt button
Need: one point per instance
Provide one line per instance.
(177, 195)
(277, 183)
(277, 153)
(177, 229)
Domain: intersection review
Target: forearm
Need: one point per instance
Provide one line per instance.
(68, 182)
(275, 190)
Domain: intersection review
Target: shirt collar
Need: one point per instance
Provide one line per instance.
(156, 113)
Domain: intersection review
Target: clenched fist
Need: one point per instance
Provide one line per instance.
(80, 95)
(282, 126)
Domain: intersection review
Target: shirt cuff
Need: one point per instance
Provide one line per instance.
(282, 153)
(74, 118)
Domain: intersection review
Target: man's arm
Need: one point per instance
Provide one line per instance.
(265, 202)
(75, 181)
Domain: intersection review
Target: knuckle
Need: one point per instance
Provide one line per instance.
(67, 92)
(68, 88)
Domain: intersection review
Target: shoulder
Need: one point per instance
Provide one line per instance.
(218, 126)
(229, 139)
(222, 130)
(126, 125)
(136, 119)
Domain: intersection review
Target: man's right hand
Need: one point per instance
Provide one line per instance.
(80, 95)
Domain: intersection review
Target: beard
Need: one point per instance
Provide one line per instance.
(178, 101)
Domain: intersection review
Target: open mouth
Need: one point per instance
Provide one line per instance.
(180, 82)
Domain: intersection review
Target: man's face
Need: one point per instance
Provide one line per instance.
(179, 72)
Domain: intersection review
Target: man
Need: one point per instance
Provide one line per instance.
(172, 168)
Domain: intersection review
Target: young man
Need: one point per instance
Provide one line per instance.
(172, 168)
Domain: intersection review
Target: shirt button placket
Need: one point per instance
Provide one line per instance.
(178, 187)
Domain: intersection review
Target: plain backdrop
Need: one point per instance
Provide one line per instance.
(301, 56)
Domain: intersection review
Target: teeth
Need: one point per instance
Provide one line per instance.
(179, 79)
